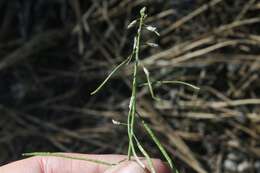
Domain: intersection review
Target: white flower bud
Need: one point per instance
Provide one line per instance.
(152, 29)
(115, 122)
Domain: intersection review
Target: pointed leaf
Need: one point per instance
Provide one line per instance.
(109, 76)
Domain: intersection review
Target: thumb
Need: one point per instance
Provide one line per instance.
(133, 167)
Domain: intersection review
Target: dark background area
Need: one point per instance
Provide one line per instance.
(53, 53)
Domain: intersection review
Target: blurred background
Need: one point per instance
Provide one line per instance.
(54, 53)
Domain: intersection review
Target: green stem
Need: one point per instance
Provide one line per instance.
(132, 105)
(69, 157)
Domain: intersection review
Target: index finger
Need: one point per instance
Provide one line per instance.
(50, 164)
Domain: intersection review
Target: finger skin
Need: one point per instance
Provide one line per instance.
(60, 165)
(133, 167)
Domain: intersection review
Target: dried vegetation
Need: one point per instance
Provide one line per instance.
(54, 53)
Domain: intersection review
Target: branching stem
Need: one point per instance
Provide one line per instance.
(132, 104)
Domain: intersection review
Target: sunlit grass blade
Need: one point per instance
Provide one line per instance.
(129, 118)
(146, 155)
(129, 59)
(130, 126)
(147, 74)
(159, 145)
(172, 82)
(131, 142)
(60, 155)
(132, 24)
(109, 76)
(131, 147)
(152, 44)
(137, 158)
(179, 82)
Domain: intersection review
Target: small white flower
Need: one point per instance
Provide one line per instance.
(142, 11)
(115, 122)
(152, 29)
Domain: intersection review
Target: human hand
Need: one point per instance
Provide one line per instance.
(61, 165)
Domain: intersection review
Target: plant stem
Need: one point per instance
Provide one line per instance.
(69, 157)
(132, 105)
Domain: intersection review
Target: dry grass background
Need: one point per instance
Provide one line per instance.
(54, 53)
